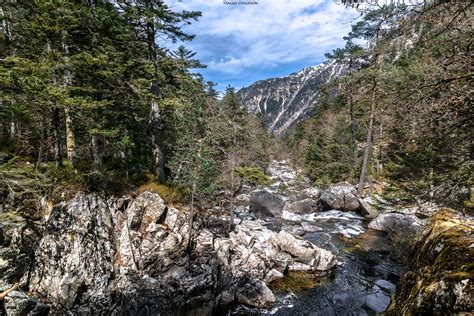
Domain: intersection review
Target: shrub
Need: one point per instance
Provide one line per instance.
(253, 175)
(170, 194)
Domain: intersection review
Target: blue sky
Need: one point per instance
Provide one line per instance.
(244, 43)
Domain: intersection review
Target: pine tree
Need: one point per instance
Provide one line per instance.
(185, 57)
(151, 18)
(355, 58)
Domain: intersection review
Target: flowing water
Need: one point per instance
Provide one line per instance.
(362, 284)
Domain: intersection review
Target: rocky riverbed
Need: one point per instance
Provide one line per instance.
(294, 250)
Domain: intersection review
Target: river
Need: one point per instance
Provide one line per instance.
(361, 284)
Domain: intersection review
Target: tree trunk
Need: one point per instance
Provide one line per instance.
(96, 151)
(354, 135)
(58, 155)
(43, 136)
(12, 129)
(232, 180)
(196, 172)
(191, 215)
(379, 151)
(353, 122)
(368, 146)
(156, 127)
(155, 116)
(6, 15)
(70, 136)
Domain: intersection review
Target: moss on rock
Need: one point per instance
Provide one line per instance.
(440, 278)
(297, 282)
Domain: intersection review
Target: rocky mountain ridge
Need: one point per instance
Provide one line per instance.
(286, 101)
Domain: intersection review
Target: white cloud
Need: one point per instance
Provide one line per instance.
(232, 38)
(228, 65)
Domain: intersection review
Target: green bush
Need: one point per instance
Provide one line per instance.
(170, 194)
(253, 175)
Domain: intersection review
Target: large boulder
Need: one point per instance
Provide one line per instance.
(128, 255)
(305, 252)
(305, 206)
(312, 192)
(341, 197)
(441, 272)
(423, 210)
(266, 204)
(396, 222)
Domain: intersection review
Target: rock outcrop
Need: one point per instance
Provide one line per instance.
(441, 273)
(133, 255)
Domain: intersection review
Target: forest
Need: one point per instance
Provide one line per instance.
(90, 101)
(403, 110)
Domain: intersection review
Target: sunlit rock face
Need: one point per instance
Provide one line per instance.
(286, 101)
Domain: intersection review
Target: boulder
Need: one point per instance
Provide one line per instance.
(423, 210)
(256, 295)
(310, 228)
(266, 204)
(256, 250)
(294, 229)
(305, 252)
(440, 276)
(291, 216)
(305, 206)
(243, 198)
(378, 301)
(340, 197)
(395, 222)
(367, 210)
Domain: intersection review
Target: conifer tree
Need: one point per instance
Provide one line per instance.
(185, 57)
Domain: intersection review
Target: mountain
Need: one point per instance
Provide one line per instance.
(287, 100)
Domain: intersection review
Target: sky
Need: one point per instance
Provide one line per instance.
(243, 43)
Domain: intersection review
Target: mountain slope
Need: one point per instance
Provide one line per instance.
(287, 100)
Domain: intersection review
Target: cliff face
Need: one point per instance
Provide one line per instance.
(288, 100)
